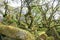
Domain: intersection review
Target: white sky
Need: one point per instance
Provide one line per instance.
(17, 3)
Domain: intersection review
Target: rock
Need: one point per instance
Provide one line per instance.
(15, 32)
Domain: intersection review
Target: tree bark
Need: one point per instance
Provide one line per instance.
(52, 32)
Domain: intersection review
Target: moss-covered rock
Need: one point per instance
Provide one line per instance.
(15, 32)
(50, 38)
(42, 37)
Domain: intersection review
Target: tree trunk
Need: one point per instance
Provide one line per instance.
(52, 32)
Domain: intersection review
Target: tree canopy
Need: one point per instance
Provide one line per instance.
(34, 19)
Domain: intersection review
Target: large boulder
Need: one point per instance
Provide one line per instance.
(17, 33)
(1, 17)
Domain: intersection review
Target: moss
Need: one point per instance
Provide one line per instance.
(15, 32)
(42, 37)
(50, 38)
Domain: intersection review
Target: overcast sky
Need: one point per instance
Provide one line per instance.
(14, 3)
(17, 3)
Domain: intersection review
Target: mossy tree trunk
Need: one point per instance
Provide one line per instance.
(52, 32)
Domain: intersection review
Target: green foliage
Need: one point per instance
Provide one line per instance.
(36, 21)
(50, 38)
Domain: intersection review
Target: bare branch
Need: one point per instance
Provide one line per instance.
(53, 11)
